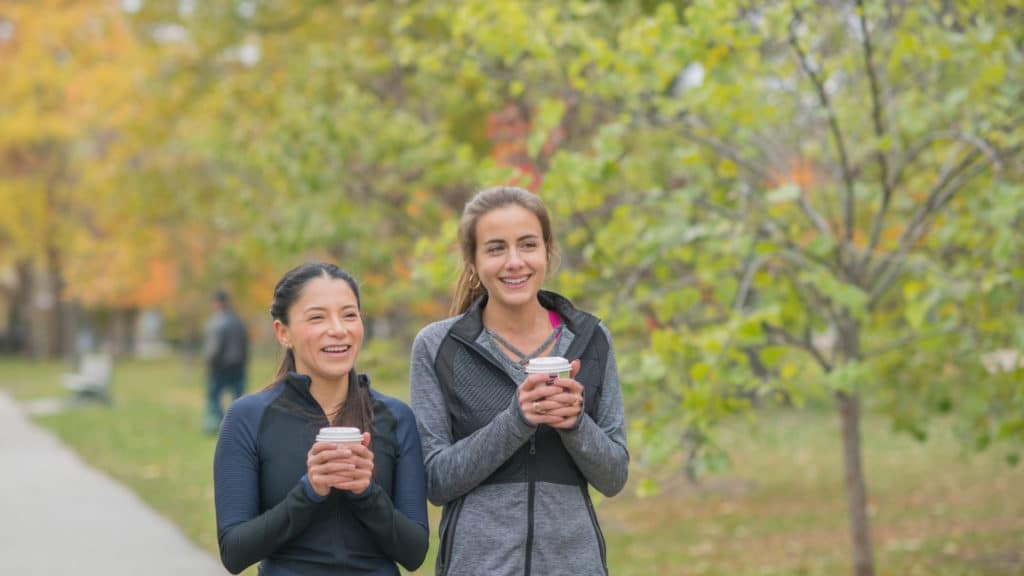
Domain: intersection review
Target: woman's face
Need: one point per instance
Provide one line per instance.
(511, 258)
(325, 330)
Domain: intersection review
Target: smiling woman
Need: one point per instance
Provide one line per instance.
(304, 507)
(511, 455)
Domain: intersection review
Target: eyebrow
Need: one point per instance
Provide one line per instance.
(315, 308)
(520, 239)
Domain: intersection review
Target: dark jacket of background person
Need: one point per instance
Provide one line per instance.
(516, 497)
(227, 342)
(267, 509)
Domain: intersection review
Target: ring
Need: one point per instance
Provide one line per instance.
(538, 410)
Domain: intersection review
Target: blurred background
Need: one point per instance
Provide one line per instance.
(803, 223)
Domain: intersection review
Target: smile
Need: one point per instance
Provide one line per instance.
(336, 349)
(519, 281)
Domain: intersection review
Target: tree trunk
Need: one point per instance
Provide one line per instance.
(856, 491)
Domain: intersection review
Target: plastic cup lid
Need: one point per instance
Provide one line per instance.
(548, 365)
(339, 434)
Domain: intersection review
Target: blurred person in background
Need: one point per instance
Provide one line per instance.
(511, 456)
(302, 507)
(226, 350)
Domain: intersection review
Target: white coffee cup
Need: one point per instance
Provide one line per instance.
(339, 435)
(549, 365)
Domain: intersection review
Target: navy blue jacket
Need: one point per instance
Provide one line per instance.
(268, 512)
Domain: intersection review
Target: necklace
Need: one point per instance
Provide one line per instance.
(524, 359)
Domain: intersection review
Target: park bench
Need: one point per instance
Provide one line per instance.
(92, 381)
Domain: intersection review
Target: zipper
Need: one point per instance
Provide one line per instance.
(448, 539)
(597, 527)
(531, 492)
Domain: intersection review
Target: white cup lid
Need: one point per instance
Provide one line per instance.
(548, 365)
(339, 434)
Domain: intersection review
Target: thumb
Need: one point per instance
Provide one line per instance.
(574, 368)
(366, 439)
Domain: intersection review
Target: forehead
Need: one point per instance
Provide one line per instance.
(325, 293)
(507, 223)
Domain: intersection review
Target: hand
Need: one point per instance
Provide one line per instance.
(357, 478)
(571, 398)
(551, 401)
(326, 464)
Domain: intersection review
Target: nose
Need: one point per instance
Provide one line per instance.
(335, 326)
(514, 258)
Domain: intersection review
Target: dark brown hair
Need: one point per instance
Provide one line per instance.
(469, 288)
(357, 410)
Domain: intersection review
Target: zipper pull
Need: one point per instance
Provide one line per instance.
(533, 443)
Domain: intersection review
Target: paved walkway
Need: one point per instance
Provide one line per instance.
(58, 516)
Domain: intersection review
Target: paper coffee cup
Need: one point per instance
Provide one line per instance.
(339, 435)
(549, 365)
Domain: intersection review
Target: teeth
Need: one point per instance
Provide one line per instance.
(514, 281)
(336, 348)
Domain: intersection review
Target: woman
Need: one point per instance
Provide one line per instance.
(510, 456)
(305, 508)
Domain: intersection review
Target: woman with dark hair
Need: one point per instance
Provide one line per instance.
(509, 455)
(301, 507)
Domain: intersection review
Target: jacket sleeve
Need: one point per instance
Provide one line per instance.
(245, 535)
(598, 445)
(399, 527)
(455, 468)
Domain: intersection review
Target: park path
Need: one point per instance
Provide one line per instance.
(59, 516)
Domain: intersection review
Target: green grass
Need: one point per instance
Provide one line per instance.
(936, 510)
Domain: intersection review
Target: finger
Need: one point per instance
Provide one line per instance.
(569, 385)
(319, 447)
(532, 381)
(366, 439)
(574, 368)
(540, 393)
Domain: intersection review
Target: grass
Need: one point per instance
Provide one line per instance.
(936, 510)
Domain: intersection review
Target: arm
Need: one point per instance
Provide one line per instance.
(399, 526)
(212, 342)
(598, 445)
(246, 536)
(453, 469)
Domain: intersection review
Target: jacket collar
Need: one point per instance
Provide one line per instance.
(580, 323)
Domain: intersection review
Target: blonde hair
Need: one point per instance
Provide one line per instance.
(469, 288)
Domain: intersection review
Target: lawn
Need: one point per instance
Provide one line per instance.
(935, 510)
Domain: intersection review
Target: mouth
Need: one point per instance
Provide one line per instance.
(340, 349)
(515, 281)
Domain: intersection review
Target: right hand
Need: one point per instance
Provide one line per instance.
(327, 464)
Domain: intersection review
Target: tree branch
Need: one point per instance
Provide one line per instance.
(833, 122)
(804, 344)
(939, 197)
(880, 132)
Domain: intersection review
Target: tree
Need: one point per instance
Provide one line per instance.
(840, 180)
(818, 198)
(67, 73)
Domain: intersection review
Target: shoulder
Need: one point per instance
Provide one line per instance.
(397, 407)
(430, 336)
(252, 406)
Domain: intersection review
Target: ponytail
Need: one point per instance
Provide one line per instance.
(467, 290)
(287, 365)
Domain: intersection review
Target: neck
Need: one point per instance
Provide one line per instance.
(514, 320)
(329, 395)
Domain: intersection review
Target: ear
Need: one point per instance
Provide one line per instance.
(282, 333)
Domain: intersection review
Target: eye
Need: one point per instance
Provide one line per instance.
(495, 249)
(352, 316)
(316, 317)
(530, 245)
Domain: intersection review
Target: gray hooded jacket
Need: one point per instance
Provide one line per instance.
(516, 497)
